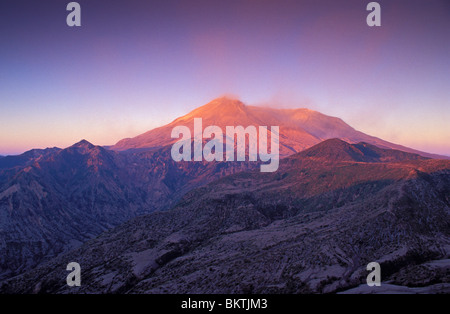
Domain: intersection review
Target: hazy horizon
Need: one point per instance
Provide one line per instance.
(133, 66)
(186, 114)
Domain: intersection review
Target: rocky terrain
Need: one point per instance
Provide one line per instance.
(310, 227)
(54, 200)
(25, 158)
(87, 198)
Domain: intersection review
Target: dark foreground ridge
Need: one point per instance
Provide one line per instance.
(310, 227)
(58, 199)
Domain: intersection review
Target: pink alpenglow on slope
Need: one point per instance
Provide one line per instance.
(235, 139)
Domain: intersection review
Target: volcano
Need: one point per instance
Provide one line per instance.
(299, 128)
(333, 184)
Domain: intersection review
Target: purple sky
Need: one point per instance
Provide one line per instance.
(135, 65)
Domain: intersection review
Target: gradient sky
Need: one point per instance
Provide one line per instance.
(136, 65)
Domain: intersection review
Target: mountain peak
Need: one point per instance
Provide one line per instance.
(227, 98)
(333, 149)
(338, 150)
(219, 106)
(83, 144)
(26, 158)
